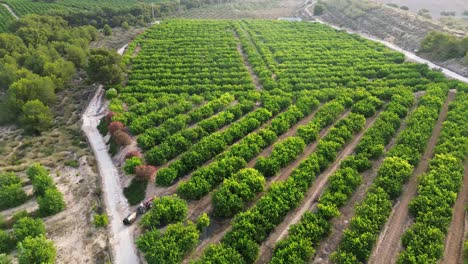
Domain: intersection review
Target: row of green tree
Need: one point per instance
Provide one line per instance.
(252, 227)
(372, 213)
(178, 239)
(156, 135)
(50, 199)
(28, 236)
(215, 143)
(181, 141)
(203, 180)
(304, 236)
(424, 241)
(210, 146)
(241, 188)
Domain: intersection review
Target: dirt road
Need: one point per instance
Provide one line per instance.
(10, 10)
(389, 242)
(124, 250)
(456, 232)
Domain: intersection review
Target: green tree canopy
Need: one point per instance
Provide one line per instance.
(105, 66)
(36, 117)
(51, 202)
(28, 227)
(36, 250)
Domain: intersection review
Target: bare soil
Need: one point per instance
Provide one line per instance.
(245, 59)
(389, 242)
(453, 253)
(311, 197)
(338, 225)
(72, 230)
(119, 38)
(256, 82)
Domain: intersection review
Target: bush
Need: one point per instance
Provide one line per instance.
(7, 242)
(166, 176)
(36, 250)
(203, 222)
(131, 163)
(135, 192)
(107, 30)
(220, 253)
(165, 210)
(102, 126)
(11, 196)
(236, 191)
(28, 226)
(51, 203)
(319, 9)
(72, 163)
(172, 246)
(133, 153)
(115, 126)
(8, 178)
(101, 220)
(121, 138)
(145, 172)
(18, 215)
(41, 183)
(125, 25)
(4, 259)
(111, 93)
(36, 117)
(36, 169)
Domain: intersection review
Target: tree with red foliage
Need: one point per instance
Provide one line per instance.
(109, 116)
(114, 126)
(133, 153)
(121, 138)
(145, 172)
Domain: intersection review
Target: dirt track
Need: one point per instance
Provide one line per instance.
(10, 10)
(341, 223)
(456, 232)
(266, 249)
(389, 242)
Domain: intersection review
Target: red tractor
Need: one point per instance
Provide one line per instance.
(145, 206)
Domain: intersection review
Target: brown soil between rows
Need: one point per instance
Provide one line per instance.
(453, 253)
(217, 230)
(389, 242)
(338, 225)
(310, 198)
(245, 59)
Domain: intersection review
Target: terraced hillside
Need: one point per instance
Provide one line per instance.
(286, 142)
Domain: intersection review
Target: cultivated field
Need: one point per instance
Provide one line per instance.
(301, 143)
(5, 18)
